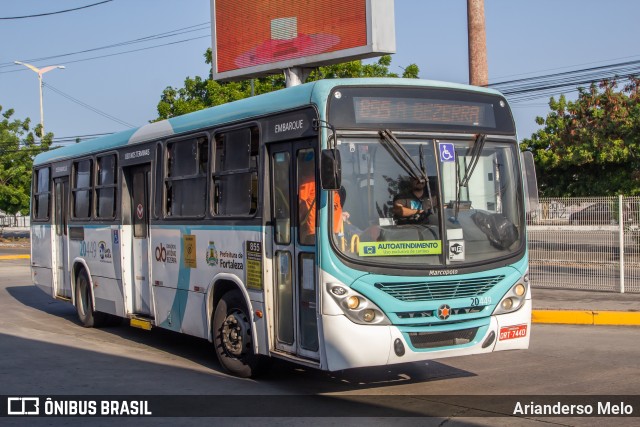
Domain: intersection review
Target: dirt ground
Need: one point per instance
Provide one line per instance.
(15, 242)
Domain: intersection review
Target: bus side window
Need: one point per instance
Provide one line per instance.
(157, 183)
(185, 182)
(82, 189)
(235, 174)
(106, 187)
(41, 195)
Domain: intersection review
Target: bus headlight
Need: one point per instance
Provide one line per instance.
(353, 302)
(519, 289)
(514, 298)
(357, 307)
(368, 315)
(507, 303)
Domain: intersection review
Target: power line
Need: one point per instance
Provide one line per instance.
(172, 33)
(56, 13)
(83, 104)
(527, 89)
(69, 140)
(57, 139)
(22, 144)
(119, 53)
(537, 72)
(568, 73)
(81, 137)
(133, 50)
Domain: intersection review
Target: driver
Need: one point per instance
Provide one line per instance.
(414, 206)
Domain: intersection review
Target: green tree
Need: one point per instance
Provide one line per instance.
(590, 147)
(18, 146)
(199, 93)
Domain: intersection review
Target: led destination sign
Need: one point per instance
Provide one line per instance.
(420, 108)
(426, 111)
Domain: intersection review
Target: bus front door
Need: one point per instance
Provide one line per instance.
(139, 191)
(293, 212)
(61, 242)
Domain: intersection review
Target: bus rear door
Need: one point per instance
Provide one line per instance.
(61, 242)
(138, 180)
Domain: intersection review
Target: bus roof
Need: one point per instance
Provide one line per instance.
(315, 93)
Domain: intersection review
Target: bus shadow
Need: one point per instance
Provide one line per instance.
(287, 376)
(33, 297)
(177, 391)
(360, 379)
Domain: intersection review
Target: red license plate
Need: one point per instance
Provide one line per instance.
(511, 332)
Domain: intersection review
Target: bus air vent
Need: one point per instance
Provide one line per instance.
(441, 289)
(442, 339)
(416, 314)
(432, 313)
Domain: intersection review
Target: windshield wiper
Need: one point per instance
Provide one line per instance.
(475, 153)
(404, 159)
(401, 156)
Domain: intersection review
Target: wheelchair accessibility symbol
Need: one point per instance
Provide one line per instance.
(369, 250)
(447, 152)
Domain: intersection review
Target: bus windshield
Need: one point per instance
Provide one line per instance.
(429, 204)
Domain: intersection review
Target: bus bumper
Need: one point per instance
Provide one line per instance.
(350, 345)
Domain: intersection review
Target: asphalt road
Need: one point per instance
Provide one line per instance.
(45, 351)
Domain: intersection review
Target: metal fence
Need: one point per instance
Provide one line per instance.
(586, 243)
(13, 221)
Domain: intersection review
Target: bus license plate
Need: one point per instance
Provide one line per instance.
(511, 332)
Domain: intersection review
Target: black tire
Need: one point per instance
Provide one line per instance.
(84, 305)
(232, 336)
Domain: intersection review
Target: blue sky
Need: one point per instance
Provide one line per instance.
(524, 38)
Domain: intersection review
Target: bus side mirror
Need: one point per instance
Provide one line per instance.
(530, 181)
(330, 169)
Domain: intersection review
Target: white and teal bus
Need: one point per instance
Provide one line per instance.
(269, 226)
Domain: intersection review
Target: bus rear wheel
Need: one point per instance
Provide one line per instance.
(84, 305)
(232, 336)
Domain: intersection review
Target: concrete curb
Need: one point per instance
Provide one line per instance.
(586, 317)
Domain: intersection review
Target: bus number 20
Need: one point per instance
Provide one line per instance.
(480, 301)
(88, 249)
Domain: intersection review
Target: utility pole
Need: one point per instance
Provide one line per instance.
(478, 70)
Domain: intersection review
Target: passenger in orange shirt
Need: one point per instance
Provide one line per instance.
(339, 217)
(307, 199)
(307, 212)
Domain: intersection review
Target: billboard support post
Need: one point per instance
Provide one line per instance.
(295, 76)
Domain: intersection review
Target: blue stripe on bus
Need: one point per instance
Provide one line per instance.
(182, 289)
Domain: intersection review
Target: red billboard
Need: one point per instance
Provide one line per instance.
(257, 37)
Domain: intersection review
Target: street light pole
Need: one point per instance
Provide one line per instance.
(40, 72)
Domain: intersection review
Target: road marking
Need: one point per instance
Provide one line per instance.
(577, 317)
(22, 256)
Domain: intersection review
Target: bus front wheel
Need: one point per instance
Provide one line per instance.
(84, 305)
(232, 336)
